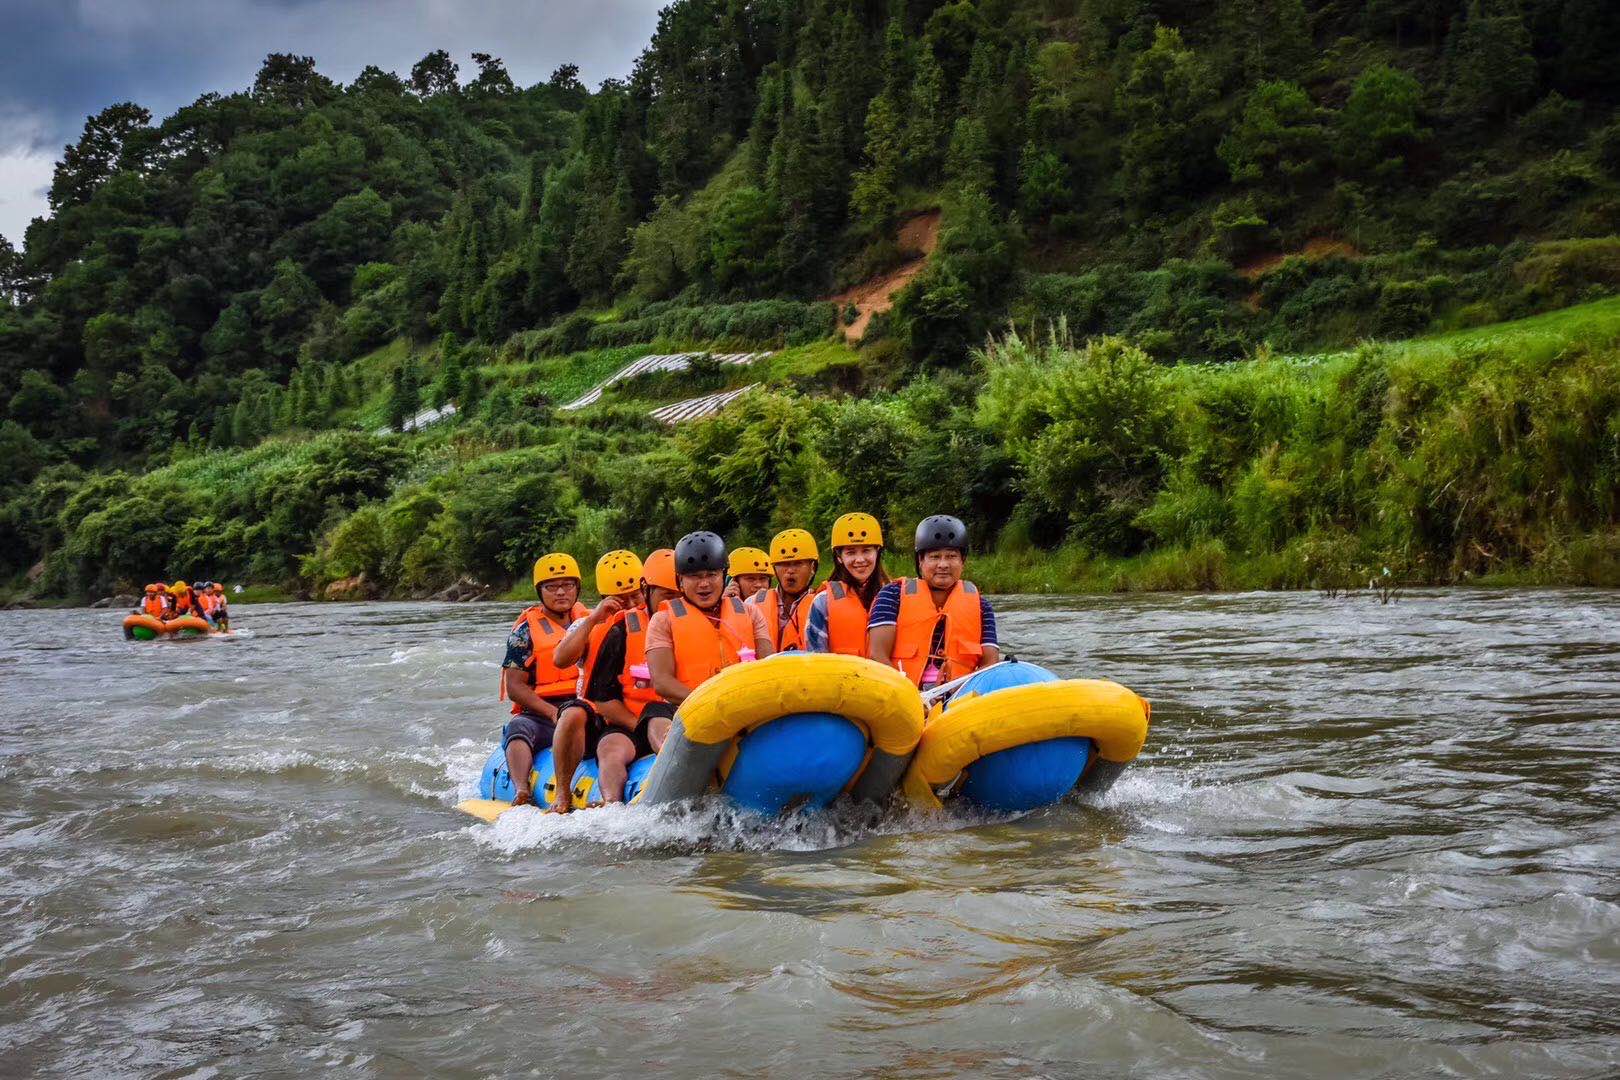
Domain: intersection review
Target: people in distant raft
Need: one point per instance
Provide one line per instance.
(750, 571)
(701, 632)
(154, 600)
(200, 591)
(936, 626)
(794, 560)
(837, 617)
(536, 685)
(222, 606)
(616, 716)
(181, 602)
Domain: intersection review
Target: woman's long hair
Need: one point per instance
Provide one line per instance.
(868, 592)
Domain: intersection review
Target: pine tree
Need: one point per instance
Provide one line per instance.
(1490, 69)
(405, 399)
(896, 64)
(534, 189)
(304, 395)
(968, 165)
(1043, 183)
(472, 392)
(874, 197)
(326, 398)
(1276, 35)
(219, 433)
(1167, 149)
(925, 121)
(473, 272)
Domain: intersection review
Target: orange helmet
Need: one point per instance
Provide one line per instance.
(659, 569)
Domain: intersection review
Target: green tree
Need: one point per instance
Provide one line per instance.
(1168, 138)
(1279, 137)
(1379, 126)
(405, 398)
(113, 139)
(1044, 187)
(1490, 68)
(285, 309)
(743, 237)
(292, 81)
(873, 199)
(926, 119)
(970, 166)
(434, 74)
(1275, 36)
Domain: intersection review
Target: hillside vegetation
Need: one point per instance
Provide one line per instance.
(1144, 203)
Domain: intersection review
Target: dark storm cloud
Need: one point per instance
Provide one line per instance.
(65, 59)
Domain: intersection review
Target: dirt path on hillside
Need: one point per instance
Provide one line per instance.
(919, 234)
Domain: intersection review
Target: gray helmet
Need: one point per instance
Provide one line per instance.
(941, 531)
(700, 551)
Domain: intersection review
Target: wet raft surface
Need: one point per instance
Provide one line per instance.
(1363, 841)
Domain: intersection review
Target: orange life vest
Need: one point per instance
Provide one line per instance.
(788, 636)
(914, 630)
(545, 632)
(638, 693)
(846, 620)
(184, 604)
(154, 606)
(703, 647)
(206, 605)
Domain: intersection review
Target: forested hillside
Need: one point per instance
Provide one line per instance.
(197, 343)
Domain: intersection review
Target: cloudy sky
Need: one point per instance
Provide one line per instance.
(62, 60)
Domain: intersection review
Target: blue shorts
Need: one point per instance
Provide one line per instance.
(528, 728)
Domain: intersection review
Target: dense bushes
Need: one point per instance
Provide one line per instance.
(246, 513)
(1439, 462)
(1435, 459)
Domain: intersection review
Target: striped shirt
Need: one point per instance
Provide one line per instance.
(886, 612)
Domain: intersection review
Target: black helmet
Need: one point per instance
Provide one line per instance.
(700, 551)
(940, 531)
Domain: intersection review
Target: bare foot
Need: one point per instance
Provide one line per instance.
(523, 797)
(563, 804)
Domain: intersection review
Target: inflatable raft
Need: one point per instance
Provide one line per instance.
(495, 787)
(801, 729)
(792, 730)
(1014, 737)
(142, 627)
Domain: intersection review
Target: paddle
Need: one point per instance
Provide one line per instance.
(484, 809)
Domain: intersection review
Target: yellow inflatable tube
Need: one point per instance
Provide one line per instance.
(877, 698)
(1114, 718)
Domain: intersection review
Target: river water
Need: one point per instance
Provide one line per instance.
(1363, 840)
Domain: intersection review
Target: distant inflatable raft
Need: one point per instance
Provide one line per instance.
(792, 730)
(142, 627)
(1015, 737)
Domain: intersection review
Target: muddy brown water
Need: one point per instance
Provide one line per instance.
(1363, 841)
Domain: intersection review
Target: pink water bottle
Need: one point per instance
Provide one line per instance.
(642, 674)
(746, 654)
(931, 676)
